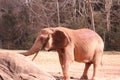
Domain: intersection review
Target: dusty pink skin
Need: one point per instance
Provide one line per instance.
(81, 45)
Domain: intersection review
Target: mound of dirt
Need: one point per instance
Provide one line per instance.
(18, 67)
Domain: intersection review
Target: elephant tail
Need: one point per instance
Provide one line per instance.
(101, 63)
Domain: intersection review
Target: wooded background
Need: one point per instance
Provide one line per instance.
(20, 20)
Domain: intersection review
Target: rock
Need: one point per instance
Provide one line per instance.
(18, 67)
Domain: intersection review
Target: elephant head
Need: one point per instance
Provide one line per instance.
(48, 39)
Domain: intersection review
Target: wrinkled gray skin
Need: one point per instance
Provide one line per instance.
(17, 67)
(82, 45)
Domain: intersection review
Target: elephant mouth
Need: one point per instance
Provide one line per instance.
(51, 50)
(44, 44)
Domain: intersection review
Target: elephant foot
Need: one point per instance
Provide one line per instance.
(84, 77)
(94, 78)
(64, 78)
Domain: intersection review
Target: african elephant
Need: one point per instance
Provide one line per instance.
(81, 45)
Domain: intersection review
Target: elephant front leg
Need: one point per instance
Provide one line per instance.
(66, 70)
(65, 66)
(66, 57)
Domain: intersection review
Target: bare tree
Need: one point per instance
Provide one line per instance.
(91, 14)
(108, 5)
(58, 12)
(74, 12)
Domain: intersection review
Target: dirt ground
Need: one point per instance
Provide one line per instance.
(48, 61)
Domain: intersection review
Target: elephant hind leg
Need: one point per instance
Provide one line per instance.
(84, 76)
(95, 68)
(96, 63)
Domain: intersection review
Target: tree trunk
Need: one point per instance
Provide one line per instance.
(108, 4)
(58, 13)
(74, 12)
(91, 15)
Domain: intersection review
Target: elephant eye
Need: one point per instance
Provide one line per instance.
(41, 38)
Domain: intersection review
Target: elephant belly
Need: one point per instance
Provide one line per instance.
(83, 57)
(84, 51)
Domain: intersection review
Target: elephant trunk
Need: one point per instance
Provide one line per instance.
(30, 52)
(34, 49)
(37, 46)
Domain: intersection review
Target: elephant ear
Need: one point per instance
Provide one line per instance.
(60, 39)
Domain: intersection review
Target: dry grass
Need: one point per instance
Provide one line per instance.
(49, 62)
